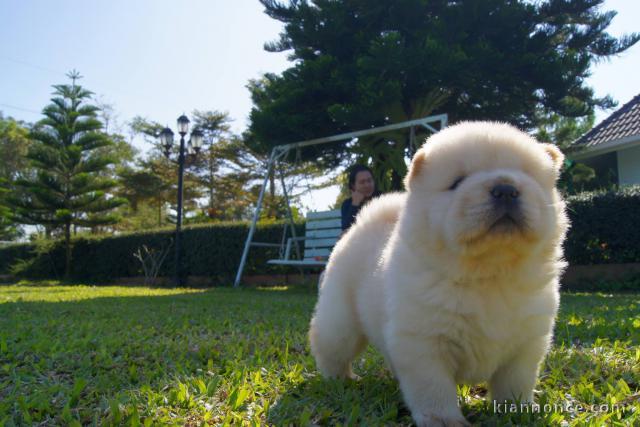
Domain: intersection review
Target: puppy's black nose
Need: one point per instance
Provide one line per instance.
(505, 193)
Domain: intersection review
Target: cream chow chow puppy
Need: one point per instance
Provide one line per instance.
(456, 280)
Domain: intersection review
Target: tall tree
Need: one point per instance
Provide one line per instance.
(14, 144)
(9, 230)
(239, 178)
(215, 126)
(148, 129)
(231, 171)
(562, 131)
(361, 63)
(152, 184)
(67, 152)
(147, 193)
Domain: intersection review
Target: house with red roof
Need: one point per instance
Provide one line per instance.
(613, 146)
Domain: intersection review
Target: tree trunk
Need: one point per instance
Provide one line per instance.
(67, 243)
(211, 182)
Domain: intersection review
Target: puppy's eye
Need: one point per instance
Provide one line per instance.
(456, 183)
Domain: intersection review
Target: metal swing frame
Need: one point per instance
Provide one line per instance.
(280, 151)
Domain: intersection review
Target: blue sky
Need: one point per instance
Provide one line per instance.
(160, 58)
(152, 58)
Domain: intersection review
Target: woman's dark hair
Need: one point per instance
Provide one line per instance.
(353, 172)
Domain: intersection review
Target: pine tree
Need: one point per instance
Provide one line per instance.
(68, 153)
(358, 64)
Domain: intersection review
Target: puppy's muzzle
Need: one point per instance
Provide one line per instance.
(505, 200)
(505, 195)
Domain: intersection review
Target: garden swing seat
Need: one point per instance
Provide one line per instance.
(323, 228)
(322, 231)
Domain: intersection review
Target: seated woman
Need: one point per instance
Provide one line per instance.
(363, 189)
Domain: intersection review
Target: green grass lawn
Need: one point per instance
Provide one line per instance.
(144, 356)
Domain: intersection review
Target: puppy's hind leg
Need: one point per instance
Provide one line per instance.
(335, 334)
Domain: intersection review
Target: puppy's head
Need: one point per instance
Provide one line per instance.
(485, 193)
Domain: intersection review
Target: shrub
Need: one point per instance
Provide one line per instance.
(604, 227)
(207, 250)
(604, 231)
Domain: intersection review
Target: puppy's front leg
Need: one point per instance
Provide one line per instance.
(426, 381)
(515, 380)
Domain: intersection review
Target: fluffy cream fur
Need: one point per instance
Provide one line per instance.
(441, 283)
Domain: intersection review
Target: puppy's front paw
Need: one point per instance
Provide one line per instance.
(433, 420)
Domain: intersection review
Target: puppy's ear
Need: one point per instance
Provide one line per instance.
(556, 155)
(417, 166)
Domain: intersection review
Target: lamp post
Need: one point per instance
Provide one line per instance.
(193, 148)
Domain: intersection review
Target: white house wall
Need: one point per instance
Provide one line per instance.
(629, 165)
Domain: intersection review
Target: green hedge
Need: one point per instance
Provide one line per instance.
(605, 229)
(211, 250)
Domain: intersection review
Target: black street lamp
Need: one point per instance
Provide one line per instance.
(193, 148)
